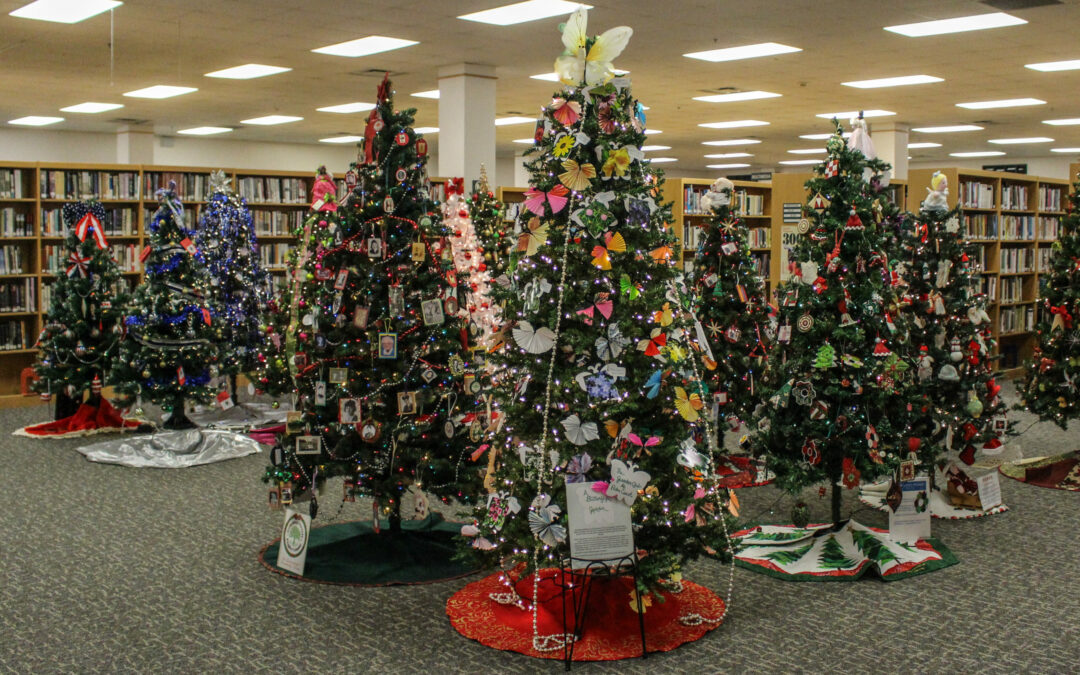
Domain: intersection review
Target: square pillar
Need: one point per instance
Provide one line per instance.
(466, 120)
(890, 141)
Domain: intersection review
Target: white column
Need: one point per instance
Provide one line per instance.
(134, 145)
(521, 174)
(890, 141)
(466, 120)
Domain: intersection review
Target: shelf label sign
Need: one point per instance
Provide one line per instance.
(792, 212)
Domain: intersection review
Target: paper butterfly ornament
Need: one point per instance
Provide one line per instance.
(534, 340)
(576, 176)
(617, 163)
(664, 316)
(593, 64)
(608, 348)
(626, 481)
(653, 384)
(555, 197)
(542, 517)
(662, 254)
(577, 468)
(603, 306)
(627, 286)
(579, 433)
(643, 443)
(566, 112)
(613, 243)
(657, 341)
(688, 405)
(689, 455)
(532, 238)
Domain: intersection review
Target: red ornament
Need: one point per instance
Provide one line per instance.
(851, 475)
(421, 147)
(401, 138)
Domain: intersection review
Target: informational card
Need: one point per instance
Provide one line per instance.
(789, 234)
(989, 490)
(911, 520)
(292, 552)
(599, 526)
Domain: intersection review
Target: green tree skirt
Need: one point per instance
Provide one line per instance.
(353, 554)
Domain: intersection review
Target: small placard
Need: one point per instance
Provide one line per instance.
(911, 520)
(292, 549)
(989, 490)
(792, 212)
(224, 400)
(600, 527)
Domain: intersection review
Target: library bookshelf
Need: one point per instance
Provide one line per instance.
(32, 195)
(1014, 219)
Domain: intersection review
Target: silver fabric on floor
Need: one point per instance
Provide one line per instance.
(171, 449)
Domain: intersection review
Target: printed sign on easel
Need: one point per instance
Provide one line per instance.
(911, 519)
(292, 550)
(599, 526)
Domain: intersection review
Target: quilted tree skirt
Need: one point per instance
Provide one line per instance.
(1060, 472)
(86, 421)
(353, 554)
(874, 495)
(814, 553)
(491, 613)
(737, 471)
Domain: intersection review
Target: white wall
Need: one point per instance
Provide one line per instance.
(34, 145)
(1044, 167)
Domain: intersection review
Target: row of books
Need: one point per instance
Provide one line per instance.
(12, 260)
(15, 223)
(190, 187)
(1018, 228)
(1014, 197)
(761, 263)
(274, 256)
(976, 195)
(18, 296)
(273, 190)
(273, 223)
(990, 288)
(1017, 260)
(1044, 259)
(1049, 227)
(981, 225)
(61, 184)
(758, 237)
(1050, 198)
(982, 257)
(119, 222)
(1016, 320)
(743, 202)
(1012, 289)
(13, 335)
(11, 184)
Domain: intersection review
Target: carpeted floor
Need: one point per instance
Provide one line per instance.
(110, 569)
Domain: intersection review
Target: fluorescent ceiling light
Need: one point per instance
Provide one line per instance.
(36, 121)
(652, 132)
(1063, 122)
(515, 119)
(521, 12)
(821, 137)
(1053, 66)
(736, 96)
(1002, 103)
(733, 141)
(64, 11)
(91, 107)
(426, 130)
(268, 120)
(734, 124)
(893, 81)
(356, 107)
(661, 160)
(799, 162)
(651, 148)
(160, 91)
(744, 52)
(1021, 141)
(917, 146)
(248, 71)
(1071, 151)
(430, 93)
(204, 131)
(984, 153)
(728, 155)
(727, 166)
(855, 113)
(807, 151)
(554, 77)
(960, 24)
(372, 44)
(525, 141)
(341, 139)
(947, 129)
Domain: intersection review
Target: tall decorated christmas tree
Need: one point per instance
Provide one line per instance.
(83, 324)
(1050, 386)
(239, 287)
(597, 375)
(170, 354)
(731, 302)
(377, 338)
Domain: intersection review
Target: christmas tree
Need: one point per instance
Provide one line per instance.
(469, 261)
(597, 375)
(376, 336)
(239, 286)
(730, 298)
(170, 353)
(950, 337)
(1049, 388)
(827, 419)
(493, 231)
(83, 324)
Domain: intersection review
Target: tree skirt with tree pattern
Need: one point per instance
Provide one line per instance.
(1060, 472)
(816, 553)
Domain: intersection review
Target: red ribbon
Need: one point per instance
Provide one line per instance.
(455, 186)
(1065, 316)
(78, 264)
(90, 224)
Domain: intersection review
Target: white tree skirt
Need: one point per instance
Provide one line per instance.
(171, 449)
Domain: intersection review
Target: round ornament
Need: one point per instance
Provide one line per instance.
(370, 431)
(378, 125)
(425, 221)
(401, 138)
(805, 323)
(388, 204)
(448, 429)
(401, 175)
(804, 225)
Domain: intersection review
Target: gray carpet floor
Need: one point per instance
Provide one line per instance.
(111, 569)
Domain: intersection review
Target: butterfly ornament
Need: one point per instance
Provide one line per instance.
(578, 432)
(582, 62)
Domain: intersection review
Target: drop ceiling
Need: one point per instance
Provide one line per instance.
(48, 66)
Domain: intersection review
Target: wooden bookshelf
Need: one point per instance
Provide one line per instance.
(1013, 218)
(512, 197)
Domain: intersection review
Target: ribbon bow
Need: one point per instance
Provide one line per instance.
(1064, 315)
(89, 224)
(78, 264)
(455, 186)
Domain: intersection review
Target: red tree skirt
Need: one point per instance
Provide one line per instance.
(611, 626)
(87, 420)
(737, 471)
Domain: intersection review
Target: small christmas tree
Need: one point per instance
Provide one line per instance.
(376, 333)
(493, 231)
(469, 262)
(1049, 388)
(239, 286)
(84, 322)
(170, 354)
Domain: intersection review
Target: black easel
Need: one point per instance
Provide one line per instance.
(612, 567)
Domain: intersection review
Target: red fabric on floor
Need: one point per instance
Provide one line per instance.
(87, 419)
